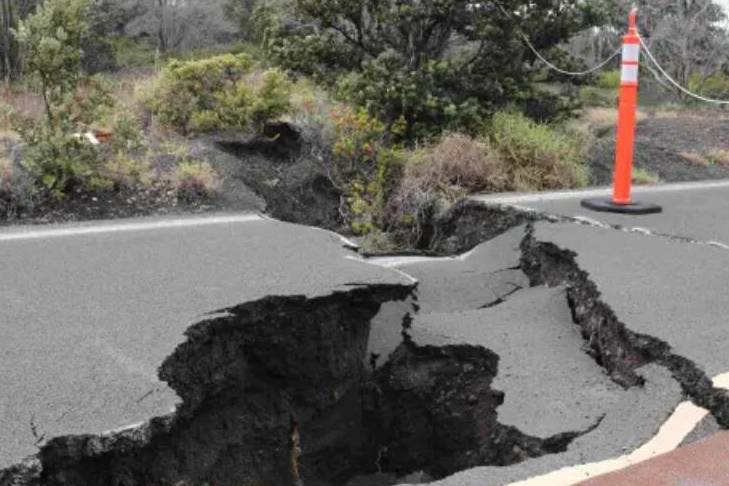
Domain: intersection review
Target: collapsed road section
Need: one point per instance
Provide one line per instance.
(107, 381)
(526, 354)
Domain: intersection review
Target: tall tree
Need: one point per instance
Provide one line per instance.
(425, 64)
(7, 23)
(52, 43)
(688, 37)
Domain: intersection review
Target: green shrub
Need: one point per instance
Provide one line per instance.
(55, 152)
(609, 79)
(424, 66)
(363, 167)
(131, 53)
(216, 94)
(59, 160)
(125, 172)
(591, 96)
(6, 175)
(537, 156)
(715, 86)
(410, 100)
(645, 177)
(127, 133)
(16, 189)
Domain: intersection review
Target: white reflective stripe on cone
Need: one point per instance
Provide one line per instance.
(629, 73)
(631, 52)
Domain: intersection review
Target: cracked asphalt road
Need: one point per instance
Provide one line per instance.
(89, 314)
(691, 210)
(90, 311)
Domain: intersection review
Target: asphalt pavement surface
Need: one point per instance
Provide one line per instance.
(90, 311)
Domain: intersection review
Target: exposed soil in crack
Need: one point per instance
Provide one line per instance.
(614, 346)
(279, 167)
(433, 409)
(271, 394)
(469, 223)
(278, 391)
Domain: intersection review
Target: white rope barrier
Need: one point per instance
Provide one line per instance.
(668, 78)
(562, 71)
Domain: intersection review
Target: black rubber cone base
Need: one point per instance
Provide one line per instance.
(607, 206)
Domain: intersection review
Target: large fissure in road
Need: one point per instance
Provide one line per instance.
(271, 394)
(279, 391)
(611, 343)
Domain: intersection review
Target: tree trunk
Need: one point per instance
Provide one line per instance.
(161, 33)
(7, 23)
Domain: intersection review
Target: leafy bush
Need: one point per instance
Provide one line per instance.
(410, 100)
(125, 172)
(715, 86)
(55, 152)
(59, 160)
(422, 67)
(595, 97)
(52, 41)
(537, 157)
(609, 79)
(363, 167)
(194, 180)
(131, 53)
(218, 93)
(16, 188)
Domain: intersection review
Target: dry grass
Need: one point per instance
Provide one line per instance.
(601, 118)
(194, 180)
(538, 156)
(719, 157)
(22, 102)
(125, 172)
(643, 177)
(694, 158)
(455, 164)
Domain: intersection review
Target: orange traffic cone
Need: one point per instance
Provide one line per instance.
(621, 201)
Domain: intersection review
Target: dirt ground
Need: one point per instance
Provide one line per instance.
(275, 173)
(673, 147)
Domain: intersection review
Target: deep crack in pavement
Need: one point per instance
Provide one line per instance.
(524, 355)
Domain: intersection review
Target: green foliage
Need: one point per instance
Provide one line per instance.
(131, 53)
(51, 40)
(123, 171)
(392, 92)
(363, 167)
(402, 62)
(56, 154)
(16, 189)
(596, 97)
(609, 79)
(645, 177)
(58, 160)
(715, 85)
(218, 93)
(194, 180)
(127, 136)
(537, 157)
